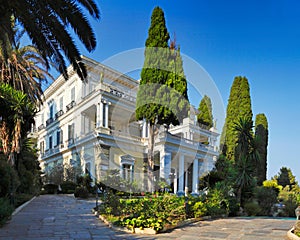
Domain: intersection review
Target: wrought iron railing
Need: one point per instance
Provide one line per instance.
(70, 105)
(58, 114)
(49, 121)
(41, 127)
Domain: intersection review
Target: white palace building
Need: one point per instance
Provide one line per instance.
(93, 124)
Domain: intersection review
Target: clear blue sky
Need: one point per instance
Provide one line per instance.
(256, 39)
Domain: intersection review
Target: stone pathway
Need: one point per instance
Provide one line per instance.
(62, 217)
(234, 228)
(58, 217)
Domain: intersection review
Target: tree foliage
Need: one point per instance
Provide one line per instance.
(205, 116)
(285, 178)
(239, 106)
(17, 112)
(162, 94)
(23, 67)
(49, 25)
(246, 157)
(262, 132)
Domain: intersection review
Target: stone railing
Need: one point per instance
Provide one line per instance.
(125, 135)
(180, 140)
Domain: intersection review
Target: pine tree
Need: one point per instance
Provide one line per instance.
(239, 106)
(285, 178)
(205, 116)
(261, 132)
(162, 94)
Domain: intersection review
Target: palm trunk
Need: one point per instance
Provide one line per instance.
(4, 136)
(17, 137)
(239, 196)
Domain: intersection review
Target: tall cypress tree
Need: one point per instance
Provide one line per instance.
(261, 132)
(205, 116)
(239, 106)
(162, 94)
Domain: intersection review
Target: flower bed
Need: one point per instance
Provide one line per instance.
(158, 213)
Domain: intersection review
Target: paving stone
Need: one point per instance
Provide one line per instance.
(62, 217)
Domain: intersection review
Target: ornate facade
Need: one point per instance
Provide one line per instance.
(93, 124)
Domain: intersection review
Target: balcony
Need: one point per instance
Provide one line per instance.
(70, 142)
(41, 127)
(58, 114)
(119, 135)
(128, 96)
(50, 151)
(49, 121)
(33, 133)
(168, 137)
(70, 105)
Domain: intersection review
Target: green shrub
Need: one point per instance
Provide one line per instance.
(233, 207)
(9, 180)
(216, 203)
(297, 228)
(215, 210)
(252, 208)
(156, 212)
(50, 188)
(266, 198)
(199, 209)
(148, 212)
(21, 198)
(68, 187)
(290, 206)
(85, 181)
(81, 192)
(6, 209)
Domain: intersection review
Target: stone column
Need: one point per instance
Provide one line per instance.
(200, 168)
(82, 123)
(195, 176)
(186, 180)
(144, 134)
(106, 115)
(132, 173)
(175, 181)
(181, 174)
(121, 171)
(165, 165)
(100, 114)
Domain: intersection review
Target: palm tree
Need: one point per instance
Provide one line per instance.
(244, 177)
(16, 112)
(23, 68)
(246, 156)
(244, 136)
(48, 24)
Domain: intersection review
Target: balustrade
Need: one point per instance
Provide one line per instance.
(70, 105)
(58, 114)
(49, 121)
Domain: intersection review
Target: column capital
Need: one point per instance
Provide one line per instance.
(105, 101)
